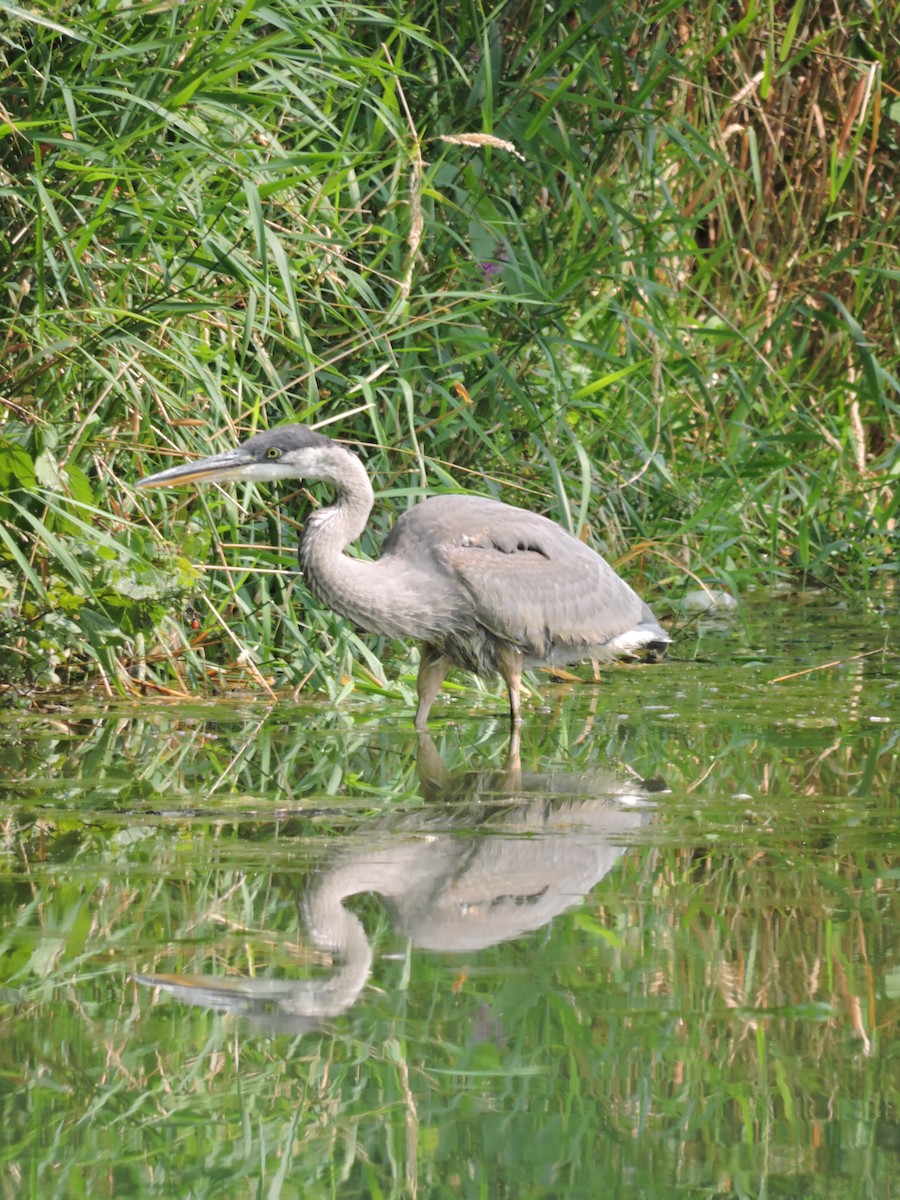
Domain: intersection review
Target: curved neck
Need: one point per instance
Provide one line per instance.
(350, 586)
(386, 596)
(329, 530)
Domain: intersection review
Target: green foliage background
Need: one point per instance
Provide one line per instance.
(630, 265)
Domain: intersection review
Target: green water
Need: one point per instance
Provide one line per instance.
(659, 956)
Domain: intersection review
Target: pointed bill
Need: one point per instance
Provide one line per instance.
(230, 464)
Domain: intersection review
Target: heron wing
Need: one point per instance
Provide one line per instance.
(525, 578)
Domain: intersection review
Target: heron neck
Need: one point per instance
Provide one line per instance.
(330, 530)
(344, 584)
(386, 596)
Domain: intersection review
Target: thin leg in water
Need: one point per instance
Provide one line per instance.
(433, 668)
(514, 760)
(433, 775)
(509, 664)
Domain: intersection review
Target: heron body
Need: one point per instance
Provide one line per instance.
(480, 584)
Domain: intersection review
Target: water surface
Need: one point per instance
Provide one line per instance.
(299, 952)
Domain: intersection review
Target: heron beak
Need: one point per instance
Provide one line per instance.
(230, 464)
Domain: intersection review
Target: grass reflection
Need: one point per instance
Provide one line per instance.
(716, 1016)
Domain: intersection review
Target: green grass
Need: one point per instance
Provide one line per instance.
(608, 266)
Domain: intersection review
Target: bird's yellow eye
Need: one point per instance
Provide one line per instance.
(273, 452)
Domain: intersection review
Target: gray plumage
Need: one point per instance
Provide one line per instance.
(480, 584)
(493, 855)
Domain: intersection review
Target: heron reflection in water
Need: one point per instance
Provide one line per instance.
(479, 584)
(503, 853)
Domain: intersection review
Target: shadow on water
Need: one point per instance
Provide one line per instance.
(468, 976)
(497, 855)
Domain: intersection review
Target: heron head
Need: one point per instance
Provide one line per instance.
(290, 452)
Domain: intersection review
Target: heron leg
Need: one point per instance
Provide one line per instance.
(513, 779)
(509, 664)
(433, 668)
(433, 775)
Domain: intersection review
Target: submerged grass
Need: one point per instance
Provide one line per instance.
(633, 267)
(715, 1016)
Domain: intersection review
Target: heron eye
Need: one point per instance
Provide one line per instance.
(273, 452)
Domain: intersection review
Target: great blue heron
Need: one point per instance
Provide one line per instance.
(480, 584)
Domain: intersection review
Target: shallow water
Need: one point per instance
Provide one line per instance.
(300, 952)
